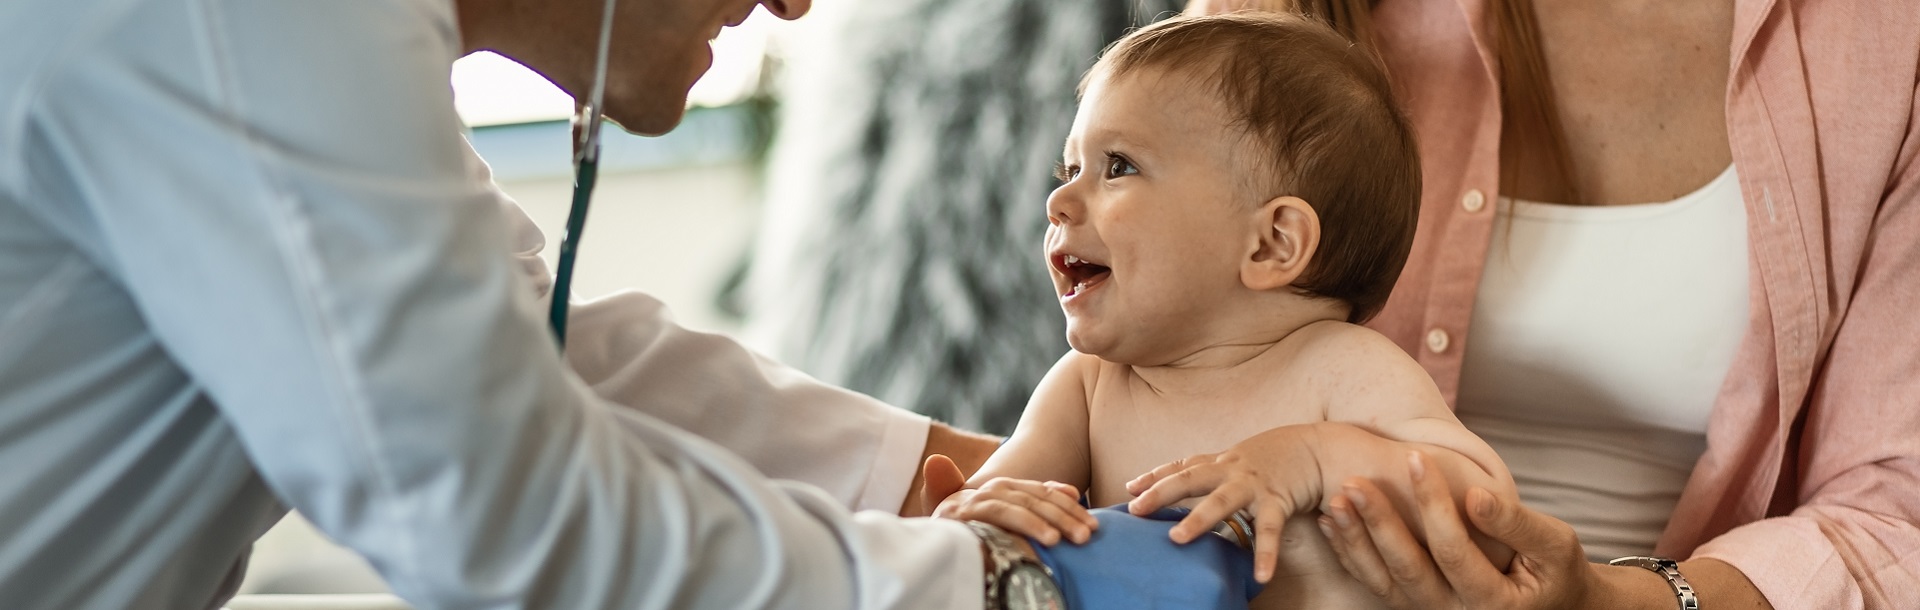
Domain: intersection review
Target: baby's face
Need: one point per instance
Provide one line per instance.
(1150, 222)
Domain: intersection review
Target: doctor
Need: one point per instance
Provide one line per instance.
(247, 263)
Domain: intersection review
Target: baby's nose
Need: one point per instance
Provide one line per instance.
(1062, 207)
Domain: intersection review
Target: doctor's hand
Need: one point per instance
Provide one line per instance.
(1130, 562)
(1046, 512)
(962, 451)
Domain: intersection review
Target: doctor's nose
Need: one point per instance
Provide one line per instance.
(787, 9)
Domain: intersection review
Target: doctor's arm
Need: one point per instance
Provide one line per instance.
(863, 452)
(787, 424)
(295, 223)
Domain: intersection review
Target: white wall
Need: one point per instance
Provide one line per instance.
(674, 233)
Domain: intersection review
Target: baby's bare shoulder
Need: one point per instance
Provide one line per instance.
(1364, 375)
(1340, 343)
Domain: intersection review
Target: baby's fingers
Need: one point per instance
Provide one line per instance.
(1012, 516)
(1059, 508)
(1143, 482)
(1266, 540)
(1219, 506)
(1183, 483)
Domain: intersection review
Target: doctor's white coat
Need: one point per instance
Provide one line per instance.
(247, 261)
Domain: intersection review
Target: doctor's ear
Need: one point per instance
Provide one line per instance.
(1286, 234)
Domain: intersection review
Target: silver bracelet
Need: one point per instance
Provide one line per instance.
(1669, 569)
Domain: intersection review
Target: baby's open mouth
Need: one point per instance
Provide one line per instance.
(1080, 273)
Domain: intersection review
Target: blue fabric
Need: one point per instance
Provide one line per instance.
(1131, 563)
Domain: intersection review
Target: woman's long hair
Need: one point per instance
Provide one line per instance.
(1529, 112)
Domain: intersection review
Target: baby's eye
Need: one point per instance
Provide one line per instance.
(1064, 172)
(1118, 166)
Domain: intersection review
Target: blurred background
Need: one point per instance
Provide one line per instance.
(859, 193)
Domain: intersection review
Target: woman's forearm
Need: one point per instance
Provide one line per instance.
(1718, 584)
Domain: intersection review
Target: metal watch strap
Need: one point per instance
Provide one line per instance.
(1668, 569)
(1003, 555)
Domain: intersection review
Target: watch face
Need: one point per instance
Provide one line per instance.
(1027, 587)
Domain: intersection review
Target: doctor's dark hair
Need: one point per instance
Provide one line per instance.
(1320, 112)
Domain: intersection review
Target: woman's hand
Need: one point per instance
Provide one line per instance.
(1044, 511)
(1273, 475)
(1549, 570)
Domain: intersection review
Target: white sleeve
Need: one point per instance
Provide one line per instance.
(789, 425)
(279, 186)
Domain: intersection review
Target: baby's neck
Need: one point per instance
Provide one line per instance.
(1243, 343)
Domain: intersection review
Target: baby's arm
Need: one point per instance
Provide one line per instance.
(1032, 484)
(1380, 406)
(1392, 408)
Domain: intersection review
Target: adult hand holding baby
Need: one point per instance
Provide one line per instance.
(1549, 569)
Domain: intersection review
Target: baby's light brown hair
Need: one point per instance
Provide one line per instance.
(1320, 114)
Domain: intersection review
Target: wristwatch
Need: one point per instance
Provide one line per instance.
(1015, 581)
(1668, 569)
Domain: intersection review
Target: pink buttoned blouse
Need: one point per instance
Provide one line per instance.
(1810, 483)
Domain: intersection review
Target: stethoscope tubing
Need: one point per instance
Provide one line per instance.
(583, 179)
(586, 170)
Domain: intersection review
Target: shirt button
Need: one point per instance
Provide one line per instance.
(1437, 340)
(1473, 200)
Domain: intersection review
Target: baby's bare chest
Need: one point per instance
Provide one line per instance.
(1133, 430)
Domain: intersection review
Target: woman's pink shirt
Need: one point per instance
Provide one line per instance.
(1810, 483)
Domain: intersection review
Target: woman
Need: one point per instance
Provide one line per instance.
(1575, 335)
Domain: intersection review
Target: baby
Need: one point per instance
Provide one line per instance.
(1237, 194)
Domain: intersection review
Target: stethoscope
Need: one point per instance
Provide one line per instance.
(586, 167)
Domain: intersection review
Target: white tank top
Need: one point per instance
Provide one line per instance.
(1599, 341)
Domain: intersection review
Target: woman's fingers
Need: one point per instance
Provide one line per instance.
(1453, 551)
(1546, 544)
(1409, 569)
(1355, 550)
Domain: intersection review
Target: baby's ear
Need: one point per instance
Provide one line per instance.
(1286, 234)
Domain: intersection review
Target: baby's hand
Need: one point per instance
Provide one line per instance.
(1043, 511)
(1272, 476)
